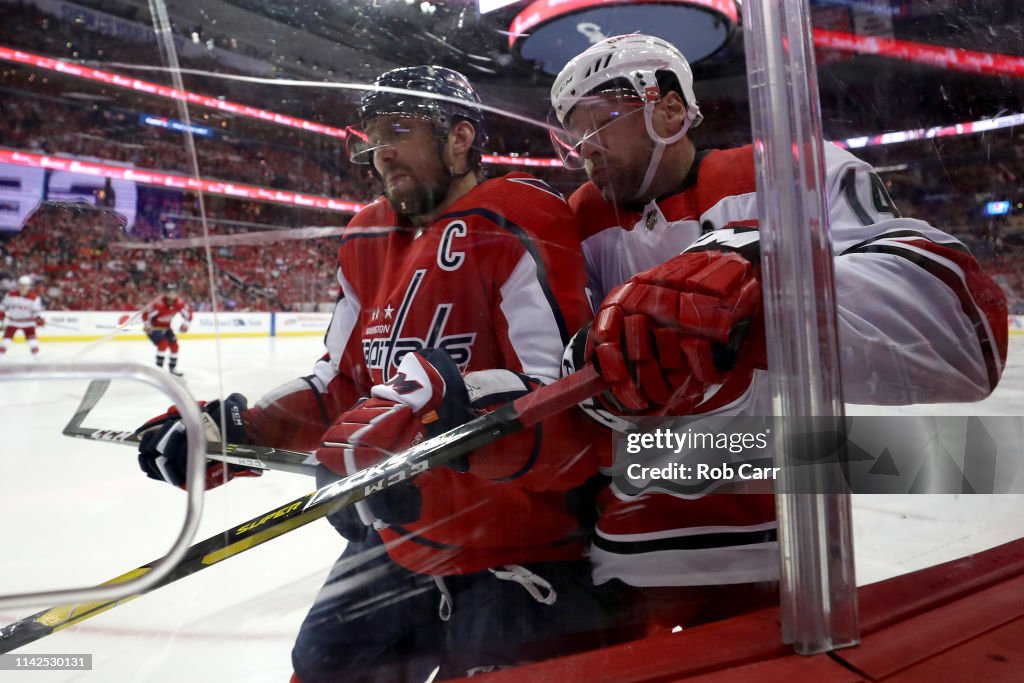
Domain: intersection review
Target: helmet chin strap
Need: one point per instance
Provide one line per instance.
(659, 144)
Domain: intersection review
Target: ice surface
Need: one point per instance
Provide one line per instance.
(77, 513)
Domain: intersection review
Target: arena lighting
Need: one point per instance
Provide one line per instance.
(969, 128)
(485, 6)
(88, 73)
(173, 124)
(178, 182)
(998, 208)
(119, 81)
(954, 58)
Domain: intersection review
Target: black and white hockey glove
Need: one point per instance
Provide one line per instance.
(163, 448)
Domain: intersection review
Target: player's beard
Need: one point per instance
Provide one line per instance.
(419, 198)
(618, 181)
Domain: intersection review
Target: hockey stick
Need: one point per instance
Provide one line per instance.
(121, 327)
(258, 457)
(511, 417)
(60, 327)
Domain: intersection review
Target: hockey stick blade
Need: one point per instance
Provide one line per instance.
(512, 417)
(258, 457)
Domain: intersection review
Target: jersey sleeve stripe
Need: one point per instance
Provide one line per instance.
(953, 277)
(848, 185)
(339, 330)
(367, 232)
(900, 235)
(690, 541)
(534, 341)
(538, 439)
(309, 379)
(531, 249)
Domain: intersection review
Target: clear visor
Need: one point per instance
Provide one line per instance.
(585, 124)
(386, 131)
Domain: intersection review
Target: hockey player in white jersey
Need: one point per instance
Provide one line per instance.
(21, 310)
(919, 321)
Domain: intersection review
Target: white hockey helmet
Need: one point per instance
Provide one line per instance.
(635, 58)
(24, 281)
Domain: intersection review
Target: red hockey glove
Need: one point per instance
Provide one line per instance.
(427, 396)
(184, 328)
(671, 332)
(163, 449)
(39, 321)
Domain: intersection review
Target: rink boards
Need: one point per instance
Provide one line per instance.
(127, 325)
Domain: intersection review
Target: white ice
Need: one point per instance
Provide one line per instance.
(76, 513)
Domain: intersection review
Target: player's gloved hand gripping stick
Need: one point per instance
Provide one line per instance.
(512, 417)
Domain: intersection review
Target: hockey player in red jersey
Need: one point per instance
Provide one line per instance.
(457, 295)
(21, 309)
(918, 320)
(157, 317)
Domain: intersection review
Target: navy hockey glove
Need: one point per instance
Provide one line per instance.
(669, 333)
(426, 397)
(163, 447)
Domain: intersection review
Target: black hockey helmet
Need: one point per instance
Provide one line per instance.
(448, 97)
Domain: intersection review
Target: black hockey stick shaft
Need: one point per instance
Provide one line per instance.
(258, 457)
(512, 417)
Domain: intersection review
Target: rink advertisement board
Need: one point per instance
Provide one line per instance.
(127, 325)
(209, 325)
(296, 324)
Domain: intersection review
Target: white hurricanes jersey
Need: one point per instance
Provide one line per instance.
(918, 323)
(21, 310)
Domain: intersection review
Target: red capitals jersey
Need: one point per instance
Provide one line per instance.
(161, 312)
(498, 283)
(919, 322)
(21, 310)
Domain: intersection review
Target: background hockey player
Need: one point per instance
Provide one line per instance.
(21, 309)
(918, 320)
(456, 296)
(157, 318)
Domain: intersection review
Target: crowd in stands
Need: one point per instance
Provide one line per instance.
(82, 259)
(59, 125)
(944, 181)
